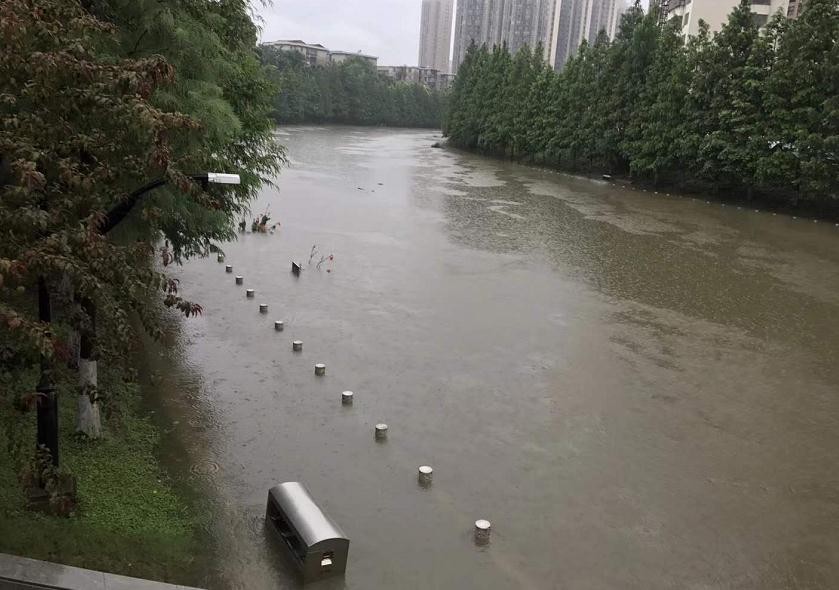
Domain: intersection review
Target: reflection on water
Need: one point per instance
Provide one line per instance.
(638, 390)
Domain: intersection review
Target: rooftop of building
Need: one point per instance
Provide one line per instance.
(295, 42)
(353, 54)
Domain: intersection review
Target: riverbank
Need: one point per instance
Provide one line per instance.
(131, 518)
(803, 209)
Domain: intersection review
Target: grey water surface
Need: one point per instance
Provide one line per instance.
(638, 390)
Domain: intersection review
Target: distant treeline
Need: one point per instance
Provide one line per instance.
(352, 92)
(742, 111)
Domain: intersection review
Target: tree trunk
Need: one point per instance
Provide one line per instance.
(88, 418)
(47, 412)
(73, 338)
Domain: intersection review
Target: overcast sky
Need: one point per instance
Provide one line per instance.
(388, 29)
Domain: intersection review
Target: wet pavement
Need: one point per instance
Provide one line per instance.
(638, 390)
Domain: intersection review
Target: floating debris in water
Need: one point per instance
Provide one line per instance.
(323, 259)
(204, 469)
(381, 431)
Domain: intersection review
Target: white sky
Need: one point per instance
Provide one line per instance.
(388, 29)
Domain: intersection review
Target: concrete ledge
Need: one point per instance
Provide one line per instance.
(22, 573)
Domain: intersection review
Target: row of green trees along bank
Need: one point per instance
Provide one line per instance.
(97, 98)
(351, 92)
(744, 111)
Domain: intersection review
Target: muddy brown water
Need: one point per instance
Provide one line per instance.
(638, 390)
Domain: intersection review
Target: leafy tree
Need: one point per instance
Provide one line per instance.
(632, 57)
(803, 98)
(656, 127)
(537, 115)
(725, 118)
(90, 111)
(461, 119)
(351, 92)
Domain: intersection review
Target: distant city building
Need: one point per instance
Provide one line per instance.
(576, 21)
(436, 34)
(315, 54)
(559, 26)
(528, 23)
(795, 7)
(562, 25)
(445, 81)
(429, 77)
(337, 57)
(688, 13)
(410, 74)
(471, 25)
(318, 55)
(514, 23)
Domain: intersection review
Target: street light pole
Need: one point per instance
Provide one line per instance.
(122, 209)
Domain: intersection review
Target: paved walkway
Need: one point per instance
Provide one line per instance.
(21, 573)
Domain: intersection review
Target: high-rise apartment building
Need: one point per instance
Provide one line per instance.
(576, 21)
(527, 23)
(435, 34)
(515, 23)
(468, 28)
(558, 25)
(688, 13)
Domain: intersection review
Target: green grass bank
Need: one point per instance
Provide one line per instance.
(131, 518)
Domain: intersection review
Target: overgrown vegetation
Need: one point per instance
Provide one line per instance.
(130, 518)
(744, 111)
(351, 92)
(97, 98)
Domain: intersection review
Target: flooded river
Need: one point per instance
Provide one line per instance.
(637, 390)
